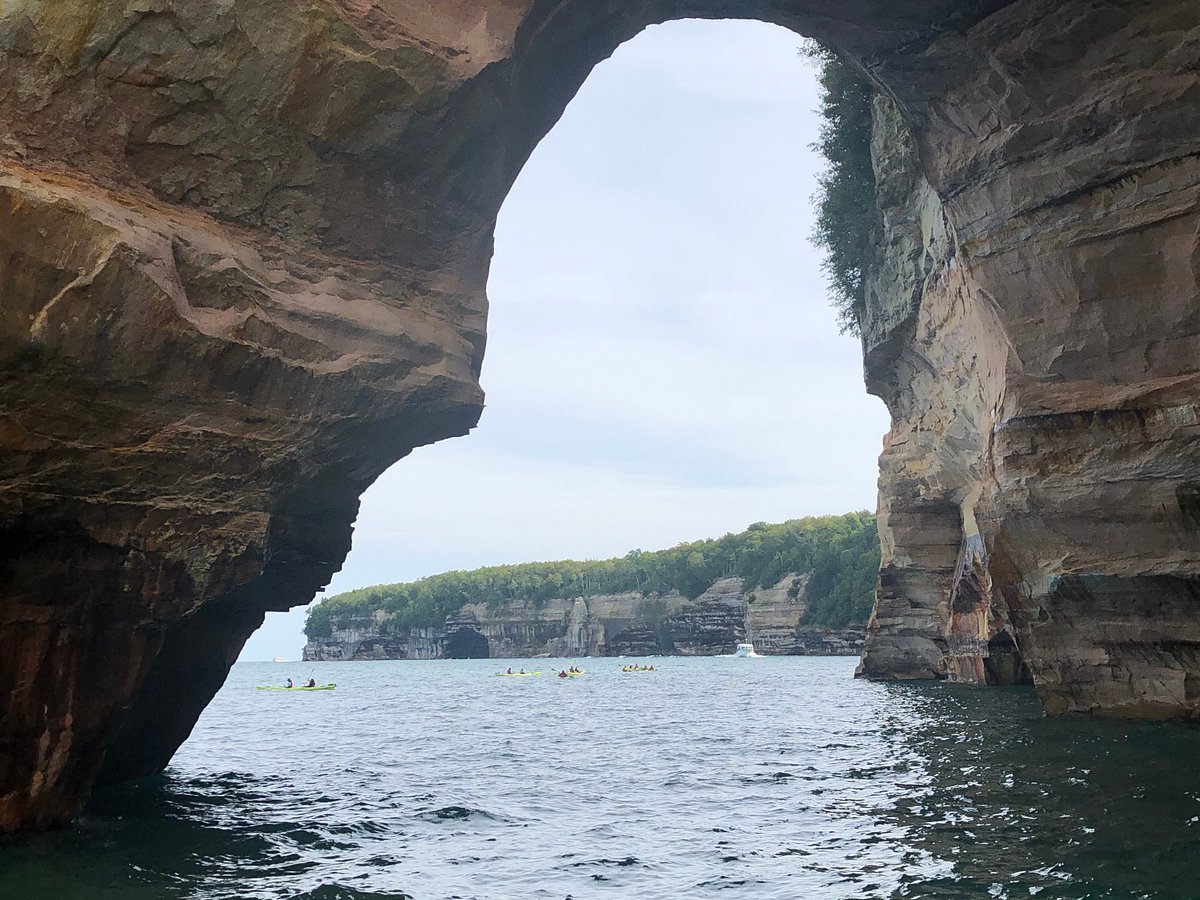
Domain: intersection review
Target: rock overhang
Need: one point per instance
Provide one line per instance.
(244, 246)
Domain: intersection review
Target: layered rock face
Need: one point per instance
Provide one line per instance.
(1033, 322)
(605, 625)
(243, 249)
(199, 377)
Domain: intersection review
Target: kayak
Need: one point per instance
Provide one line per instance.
(639, 671)
(516, 674)
(280, 687)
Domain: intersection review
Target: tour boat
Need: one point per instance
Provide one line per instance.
(744, 651)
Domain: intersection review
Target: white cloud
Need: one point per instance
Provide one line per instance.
(503, 508)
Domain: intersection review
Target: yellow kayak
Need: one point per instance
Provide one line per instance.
(281, 687)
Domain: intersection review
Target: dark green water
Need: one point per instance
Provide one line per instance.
(769, 778)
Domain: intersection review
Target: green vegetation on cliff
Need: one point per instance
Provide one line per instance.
(846, 197)
(840, 552)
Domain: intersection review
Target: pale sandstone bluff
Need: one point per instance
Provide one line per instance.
(625, 624)
(243, 250)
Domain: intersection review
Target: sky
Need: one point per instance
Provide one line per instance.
(663, 362)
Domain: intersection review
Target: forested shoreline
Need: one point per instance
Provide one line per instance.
(840, 554)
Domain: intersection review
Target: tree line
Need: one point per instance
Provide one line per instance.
(841, 554)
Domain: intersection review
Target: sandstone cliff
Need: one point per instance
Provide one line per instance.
(626, 624)
(1032, 325)
(243, 249)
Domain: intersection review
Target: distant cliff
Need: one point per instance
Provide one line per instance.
(800, 587)
(605, 625)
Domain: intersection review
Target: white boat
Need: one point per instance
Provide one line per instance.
(745, 651)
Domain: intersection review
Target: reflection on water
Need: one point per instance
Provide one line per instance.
(1021, 804)
(779, 777)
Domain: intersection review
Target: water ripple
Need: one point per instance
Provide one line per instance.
(772, 778)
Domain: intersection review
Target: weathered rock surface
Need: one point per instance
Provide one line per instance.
(606, 625)
(1033, 323)
(243, 249)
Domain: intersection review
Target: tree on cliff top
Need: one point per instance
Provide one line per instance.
(841, 554)
(846, 197)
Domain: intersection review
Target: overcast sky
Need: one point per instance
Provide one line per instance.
(663, 364)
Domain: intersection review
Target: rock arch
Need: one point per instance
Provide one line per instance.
(243, 250)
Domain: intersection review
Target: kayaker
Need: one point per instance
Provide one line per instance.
(562, 674)
(312, 682)
(509, 672)
(290, 683)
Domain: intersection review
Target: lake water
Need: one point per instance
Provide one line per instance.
(758, 778)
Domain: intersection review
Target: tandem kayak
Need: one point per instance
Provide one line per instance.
(640, 671)
(516, 674)
(280, 687)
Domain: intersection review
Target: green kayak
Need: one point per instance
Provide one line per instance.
(280, 687)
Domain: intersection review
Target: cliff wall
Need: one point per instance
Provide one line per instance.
(1031, 323)
(626, 624)
(243, 250)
